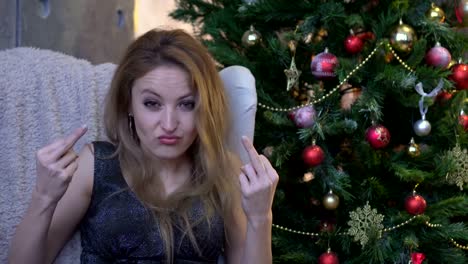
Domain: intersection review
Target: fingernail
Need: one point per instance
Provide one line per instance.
(84, 126)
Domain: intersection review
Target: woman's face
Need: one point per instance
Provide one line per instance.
(163, 105)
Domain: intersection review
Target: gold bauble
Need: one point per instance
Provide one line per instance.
(331, 201)
(413, 149)
(435, 14)
(451, 63)
(251, 37)
(402, 38)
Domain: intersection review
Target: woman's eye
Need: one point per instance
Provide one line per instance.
(187, 105)
(152, 104)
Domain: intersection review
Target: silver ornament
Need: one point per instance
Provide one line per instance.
(422, 127)
(331, 201)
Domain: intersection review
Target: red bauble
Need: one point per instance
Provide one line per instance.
(417, 258)
(443, 96)
(378, 136)
(353, 44)
(460, 76)
(328, 257)
(323, 65)
(463, 120)
(438, 56)
(327, 227)
(366, 35)
(313, 155)
(415, 204)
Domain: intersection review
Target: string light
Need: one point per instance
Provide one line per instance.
(399, 59)
(345, 233)
(432, 225)
(334, 90)
(458, 245)
(388, 229)
(295, 231)
(400, 225)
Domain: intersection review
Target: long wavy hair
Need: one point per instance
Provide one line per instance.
(215, 169)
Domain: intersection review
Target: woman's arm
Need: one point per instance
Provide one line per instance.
(59, 201)
(249, 228)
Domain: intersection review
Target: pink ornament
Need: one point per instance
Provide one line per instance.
(378, 136)
(438, 56)
(323, 65)
(328, 257)
(417, 258)
(304, 117)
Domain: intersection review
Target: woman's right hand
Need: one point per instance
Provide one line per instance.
(55, 164)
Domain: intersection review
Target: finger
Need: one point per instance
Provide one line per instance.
(253, 155)
(271, 172)
(70, 170)
(250, 172)
(49, 149)
(244, 182)
(68, 142)
(66, 159)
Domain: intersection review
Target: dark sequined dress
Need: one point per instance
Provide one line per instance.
(117, 228)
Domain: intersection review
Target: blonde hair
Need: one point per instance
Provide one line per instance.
(214, 180)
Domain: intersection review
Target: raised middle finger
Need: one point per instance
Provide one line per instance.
(253, 155)
(64, 145)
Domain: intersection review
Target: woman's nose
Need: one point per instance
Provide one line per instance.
(169, 120)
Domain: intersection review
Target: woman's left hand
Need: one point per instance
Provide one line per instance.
(258, 181)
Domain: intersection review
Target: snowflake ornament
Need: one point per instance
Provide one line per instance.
(459, 175)
(364, 222)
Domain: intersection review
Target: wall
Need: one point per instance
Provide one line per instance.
(98, 31)
(155, 13)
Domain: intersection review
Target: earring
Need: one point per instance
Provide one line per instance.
(131, 125)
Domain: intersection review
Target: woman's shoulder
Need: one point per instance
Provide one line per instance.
(103, 149)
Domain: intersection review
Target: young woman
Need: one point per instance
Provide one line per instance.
(165, 188)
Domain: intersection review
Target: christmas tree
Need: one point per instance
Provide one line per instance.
(363, 112)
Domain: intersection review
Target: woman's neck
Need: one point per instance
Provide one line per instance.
(174, 173)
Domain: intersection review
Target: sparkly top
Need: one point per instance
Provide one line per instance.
(118, 228)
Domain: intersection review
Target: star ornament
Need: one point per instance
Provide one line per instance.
(292, 74)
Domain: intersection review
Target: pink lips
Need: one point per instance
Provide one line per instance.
(168, 140)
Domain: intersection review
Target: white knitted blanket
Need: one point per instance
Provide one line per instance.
(43, 95)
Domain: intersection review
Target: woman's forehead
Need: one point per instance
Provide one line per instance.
(167, 79)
